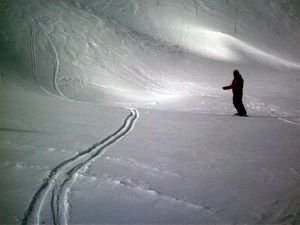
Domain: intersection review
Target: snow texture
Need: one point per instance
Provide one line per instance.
(112, 112)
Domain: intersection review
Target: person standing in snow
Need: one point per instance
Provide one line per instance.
(237, 90)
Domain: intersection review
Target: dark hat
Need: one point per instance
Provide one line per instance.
(236, 72)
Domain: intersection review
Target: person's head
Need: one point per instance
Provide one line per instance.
(236, 74)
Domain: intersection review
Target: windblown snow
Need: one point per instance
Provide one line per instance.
(112, 112)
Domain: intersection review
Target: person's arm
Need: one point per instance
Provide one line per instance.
(227, 87)
(231, 86)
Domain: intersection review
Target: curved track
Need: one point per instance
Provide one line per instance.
(52, 196)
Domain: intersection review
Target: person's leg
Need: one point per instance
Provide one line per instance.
(238, 104)
(235, 103)
(242, 109)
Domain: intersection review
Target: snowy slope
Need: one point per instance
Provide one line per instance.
(141, 48)
(112, 112)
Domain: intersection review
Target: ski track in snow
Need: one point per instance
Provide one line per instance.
(289, 121)
(36, 25)
(33, 60)
(139, 186)
(149, 169)
(52, 196)
(56, 64)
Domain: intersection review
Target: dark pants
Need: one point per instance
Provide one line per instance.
(238, 104)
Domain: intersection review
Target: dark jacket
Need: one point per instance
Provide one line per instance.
(236, 86)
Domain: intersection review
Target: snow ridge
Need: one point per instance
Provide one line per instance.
(52, 196)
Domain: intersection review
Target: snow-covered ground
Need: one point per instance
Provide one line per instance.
(112, 112)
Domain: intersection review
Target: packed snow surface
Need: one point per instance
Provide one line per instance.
(112, 112)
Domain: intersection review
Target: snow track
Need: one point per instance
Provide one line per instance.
(52, 196)
(33, 59)
(36, 26)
